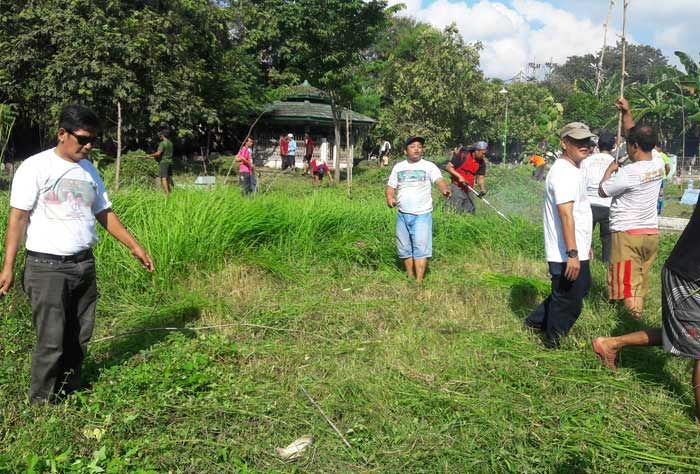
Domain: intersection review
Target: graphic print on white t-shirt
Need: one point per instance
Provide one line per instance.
(413, 182)
(68, 199)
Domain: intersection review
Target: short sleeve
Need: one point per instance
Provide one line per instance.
(457, 160)
(161, 147)
(564, 188)
(25, 188)
(617, 184)
(102, 201)
(393, 178)
(434, 173)
(482, 169)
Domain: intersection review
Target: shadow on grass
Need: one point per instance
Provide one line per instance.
(649, 364)
(139, 339)
(524, 298)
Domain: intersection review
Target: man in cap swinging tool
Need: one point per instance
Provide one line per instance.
(466, 167)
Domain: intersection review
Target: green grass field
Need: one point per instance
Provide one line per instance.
(299, 287)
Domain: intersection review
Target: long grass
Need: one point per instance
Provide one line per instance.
(303, 288)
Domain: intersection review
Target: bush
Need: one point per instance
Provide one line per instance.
(136, 170)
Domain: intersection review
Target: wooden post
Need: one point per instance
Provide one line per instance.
(119, 145)
(622, 76)
(348, 150)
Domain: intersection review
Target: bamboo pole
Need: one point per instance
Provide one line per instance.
(599, 69)
(623, 73)
(119, 145)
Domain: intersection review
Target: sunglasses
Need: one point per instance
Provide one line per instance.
(584, 143)
(84, 139)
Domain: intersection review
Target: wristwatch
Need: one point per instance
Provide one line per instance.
(573, 253)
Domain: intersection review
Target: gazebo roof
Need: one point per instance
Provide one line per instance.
(310, 106)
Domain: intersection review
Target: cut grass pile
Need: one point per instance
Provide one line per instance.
(301, 288)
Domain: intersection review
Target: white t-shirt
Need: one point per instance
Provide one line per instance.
(62, 198)
(635, 192)
(564, 184)
(413, 182)
(593, 169)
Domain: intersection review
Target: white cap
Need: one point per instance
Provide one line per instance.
(291, 135)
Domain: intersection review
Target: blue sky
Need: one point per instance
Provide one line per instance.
(516, 32)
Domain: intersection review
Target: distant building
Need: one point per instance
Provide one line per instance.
(306, 110)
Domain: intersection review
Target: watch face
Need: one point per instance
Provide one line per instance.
(572, 253)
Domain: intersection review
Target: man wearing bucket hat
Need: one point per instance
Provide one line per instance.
(409, 189)
(567, 237)
(467, 167)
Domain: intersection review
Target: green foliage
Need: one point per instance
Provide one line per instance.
(136, 169)
(7, 122)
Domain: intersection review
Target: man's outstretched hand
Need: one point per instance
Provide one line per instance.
(142, 256)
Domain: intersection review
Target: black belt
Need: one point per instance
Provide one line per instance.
(75, 258)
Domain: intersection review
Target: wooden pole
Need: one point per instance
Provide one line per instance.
(599, 69)
(348, 150)
(119, 145)
(623, 73)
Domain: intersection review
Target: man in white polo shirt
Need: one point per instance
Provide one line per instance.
(413, 179)
(633, 214)
(57, 196)
(568, 226)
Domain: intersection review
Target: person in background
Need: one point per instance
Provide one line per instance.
(291, 152)
(568, 227)
(634, 221)
(540, 166)
(308, 152)
(319, 169)
(409, 190)
(593, 169)
(284, 151)
(667, 169)
(164, 157)
(246, 168)
(56, 200)
(466, 168)
(384, 152)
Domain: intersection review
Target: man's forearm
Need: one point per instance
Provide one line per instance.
(482, 183)
(442, 185)
(16, 227)
(627, 121)
(568, 229)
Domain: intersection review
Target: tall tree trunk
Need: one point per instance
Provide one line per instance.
(336, 111)
(348, 150)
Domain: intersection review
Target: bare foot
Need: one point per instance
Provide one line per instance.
(607, 356)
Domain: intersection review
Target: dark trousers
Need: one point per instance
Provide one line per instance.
(461, 201)
(601, 216)
(556, 315)
(63, 298)
(246, 183)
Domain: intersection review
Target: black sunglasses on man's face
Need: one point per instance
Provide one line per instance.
(83, 139)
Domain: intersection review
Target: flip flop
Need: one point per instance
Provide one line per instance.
(608, 360)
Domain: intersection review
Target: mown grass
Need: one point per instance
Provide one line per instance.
(304, 290)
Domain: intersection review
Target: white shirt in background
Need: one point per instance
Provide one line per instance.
(413, 182)
(564, 184)
(63, 199)
(635, 193)
(593, 168)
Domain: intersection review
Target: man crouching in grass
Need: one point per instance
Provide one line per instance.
(414, 225)
(568, 225)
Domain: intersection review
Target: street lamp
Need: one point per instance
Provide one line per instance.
(504, 93)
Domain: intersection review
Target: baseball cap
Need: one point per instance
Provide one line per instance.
(576, 130)
(290, 135)
(481, 145)
(412, 139)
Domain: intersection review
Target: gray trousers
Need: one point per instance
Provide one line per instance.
(63, 298)
(244, 179)
(461, 201)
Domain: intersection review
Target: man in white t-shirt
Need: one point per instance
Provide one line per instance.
(567, 237)
(411, 180)
(57, 196)
(593, 169)
(633, 214)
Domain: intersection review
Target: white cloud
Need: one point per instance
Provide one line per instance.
(527, 31)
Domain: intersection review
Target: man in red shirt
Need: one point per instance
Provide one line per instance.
(466, 167)
(283, 151)
(308, 152)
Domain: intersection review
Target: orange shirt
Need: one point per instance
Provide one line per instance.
(536, 160)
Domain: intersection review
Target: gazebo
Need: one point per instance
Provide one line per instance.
(306, 110)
